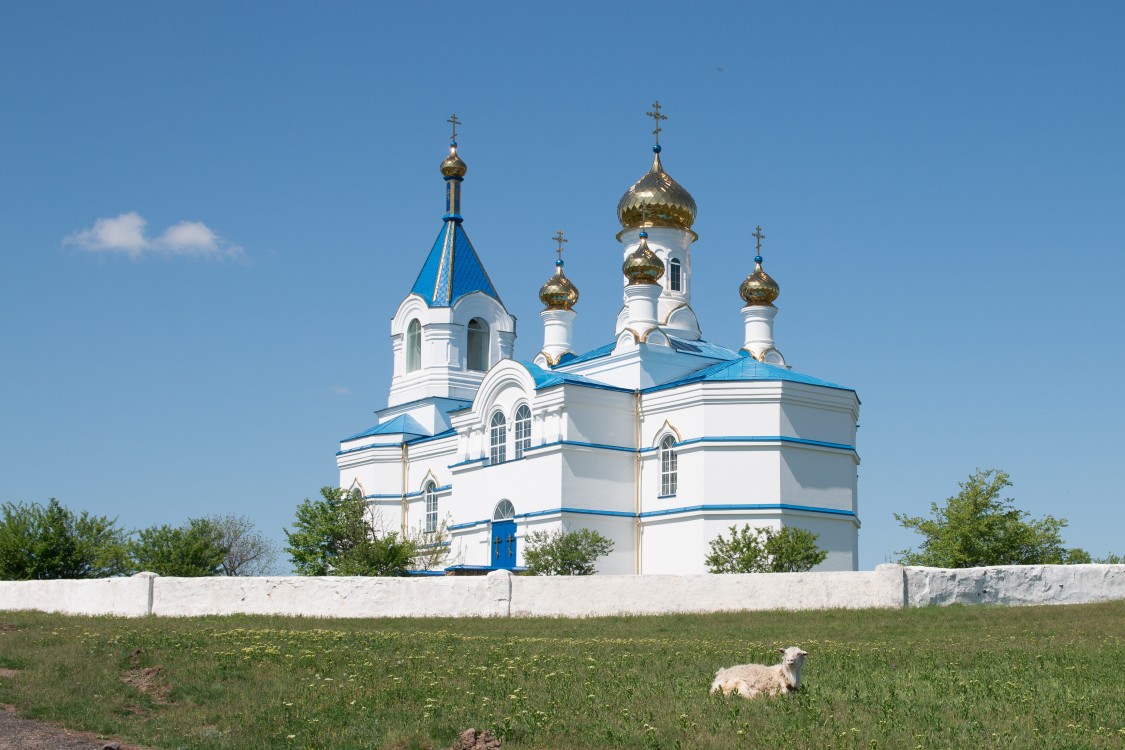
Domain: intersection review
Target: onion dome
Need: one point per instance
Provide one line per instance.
(642, 266)
(559, 293)
(656, 200)
(452, 166)
(759, 288)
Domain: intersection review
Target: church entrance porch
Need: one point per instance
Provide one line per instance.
(503, 536)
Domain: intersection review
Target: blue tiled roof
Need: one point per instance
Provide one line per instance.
(745, 367)
(601, 351)
(403, 424)
(702, 348)
(452, 269)
(547, 378)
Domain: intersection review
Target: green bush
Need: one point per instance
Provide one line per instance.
(571, 553)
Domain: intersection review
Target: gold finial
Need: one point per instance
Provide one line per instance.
(559, 239)
(453, 119)
(656, 117)
(758, 233)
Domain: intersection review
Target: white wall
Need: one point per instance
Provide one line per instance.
(501, 594)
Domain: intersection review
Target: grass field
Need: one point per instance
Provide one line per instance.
(1033, 677)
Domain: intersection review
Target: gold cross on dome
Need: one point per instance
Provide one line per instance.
(455, 122)
(758, 233)
(656, 117)
(559, 239)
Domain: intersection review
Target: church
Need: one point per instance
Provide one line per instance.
(659, 440)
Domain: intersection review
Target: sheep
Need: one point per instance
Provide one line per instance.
(750, 680)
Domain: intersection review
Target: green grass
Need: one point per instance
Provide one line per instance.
(1033, 677)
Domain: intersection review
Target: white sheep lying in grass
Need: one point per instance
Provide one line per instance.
(750, 680)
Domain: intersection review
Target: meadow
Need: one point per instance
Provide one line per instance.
(956, 677)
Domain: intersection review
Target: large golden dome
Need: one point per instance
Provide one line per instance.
(559, 293)
(656, 200)
(642, 266)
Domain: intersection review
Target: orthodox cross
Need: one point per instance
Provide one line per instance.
(758, 233)
(559, 239)
(455, 122)
(656, 117)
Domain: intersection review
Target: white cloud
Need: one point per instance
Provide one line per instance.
(341, 390)
(125, 233)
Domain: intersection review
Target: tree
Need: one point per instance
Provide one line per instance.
(765, 550)
(570, 553)
(249, 552)
(191, 550)
(335, 535)
(976, 527)
(39, 543)
(433, 549)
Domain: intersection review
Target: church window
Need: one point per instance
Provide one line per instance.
(668, 466)
(504, 511)
(675, 275)
(431, 508)
(498, 439)
(413, 346)
(523, 430)
(477, 345)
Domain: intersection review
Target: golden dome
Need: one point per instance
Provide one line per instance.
(559, 293)
(656, 200)
(452, 166)
(759, 287)
(642, 266)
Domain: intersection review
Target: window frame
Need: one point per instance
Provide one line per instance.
(429, 493)
(477, 345)
(675, 275)
(521, 431)
(669, 467)
(497, 438)
(414, 346)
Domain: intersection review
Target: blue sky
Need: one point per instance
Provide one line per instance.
(941, 186)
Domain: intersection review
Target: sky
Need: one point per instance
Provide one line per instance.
(209, 212)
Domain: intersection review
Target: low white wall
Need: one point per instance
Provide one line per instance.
(501, 594)
(1014, 585)
(582, 596)
(128, 597)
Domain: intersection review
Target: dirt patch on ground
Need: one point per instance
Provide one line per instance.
(151, 681)
(26, 734)
(7, 627)
(5, 672)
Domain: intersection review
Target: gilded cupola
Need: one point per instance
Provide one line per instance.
(656, 200)
(759, 288)
(642, 266)
(452, 166)
(559, 293)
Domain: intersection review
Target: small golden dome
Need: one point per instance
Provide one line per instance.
(642, 266)
(759, 287)
(559, 293)
(452, 166)
(656, 200)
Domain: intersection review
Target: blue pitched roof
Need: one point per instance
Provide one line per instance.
(452, 269)
(745, 367)
(700, 348)
(547, 378)
(403, 424)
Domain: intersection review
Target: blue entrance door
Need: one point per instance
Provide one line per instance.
(504, 544)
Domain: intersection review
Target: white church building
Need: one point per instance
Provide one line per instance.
(658, 440)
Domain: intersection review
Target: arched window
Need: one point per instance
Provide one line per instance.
(413, 346)
(523, 430)
(504, 511)
(668, 472)
(498, 438)
(477, 345)
(675, 275)
(431, 507)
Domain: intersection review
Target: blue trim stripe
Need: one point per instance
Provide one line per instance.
(765, 439)
(369, 446)
(745, 506)
(397, 495)
(579, 444)
(668, 511)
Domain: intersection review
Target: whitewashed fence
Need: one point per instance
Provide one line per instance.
(500, 594)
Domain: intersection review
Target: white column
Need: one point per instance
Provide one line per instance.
(758, 320)
(640, 302)
(558, 333)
